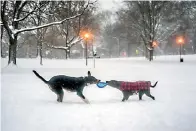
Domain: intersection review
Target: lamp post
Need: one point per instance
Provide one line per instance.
(180, 41)
(154, 45)
(86, 36)
(93, 53)
(118, 42)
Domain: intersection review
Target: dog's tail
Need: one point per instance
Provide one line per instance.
(45, 81)
(154, 85)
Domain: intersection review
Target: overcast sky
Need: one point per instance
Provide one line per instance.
(110, 4)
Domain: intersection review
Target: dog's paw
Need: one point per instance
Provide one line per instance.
(86, 101)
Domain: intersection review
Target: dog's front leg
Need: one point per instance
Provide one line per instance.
(125, 96)
(86, 101)
(83, 97)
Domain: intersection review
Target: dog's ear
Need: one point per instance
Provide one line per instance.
(89, 73)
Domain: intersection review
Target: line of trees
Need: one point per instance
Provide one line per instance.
(56, 25)
(143, 22)
(39, 17)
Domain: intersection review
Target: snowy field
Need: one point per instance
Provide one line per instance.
(27, 104)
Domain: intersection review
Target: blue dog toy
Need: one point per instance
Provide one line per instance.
(101, 84)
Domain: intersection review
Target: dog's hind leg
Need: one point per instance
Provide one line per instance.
(140, 95)
(60, 96)
(149, 95)
(127, 97)
(59, 92)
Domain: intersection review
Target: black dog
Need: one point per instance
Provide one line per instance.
(130, 88)
(73, 84)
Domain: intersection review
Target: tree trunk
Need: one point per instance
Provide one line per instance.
(110, 52)
(2, 41)
(66, 54)
(39, 51)
(194, 41)
(39, 46)
(151, 55)
(151, 51)
(146, 52)
(128, 50)
(39, 37)
(69, 53)
(144, 48)
(67, 28)
(12, 51)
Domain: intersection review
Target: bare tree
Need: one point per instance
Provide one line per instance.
(70, 30)
(13, 13)
(147, 19)
(39, 20)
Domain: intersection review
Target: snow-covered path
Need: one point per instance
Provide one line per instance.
(28, 105)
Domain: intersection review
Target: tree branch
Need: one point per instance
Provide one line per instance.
(65, 48)
(16, 7)
(50, 24)
(21, 19)
(73, 42)
(57, 47)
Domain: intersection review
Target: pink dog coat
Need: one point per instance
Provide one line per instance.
(135, 86)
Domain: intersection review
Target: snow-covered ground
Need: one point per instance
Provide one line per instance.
(28, 105)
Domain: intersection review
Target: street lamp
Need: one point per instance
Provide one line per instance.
(154, 44)
(180, 41)
(86, 35)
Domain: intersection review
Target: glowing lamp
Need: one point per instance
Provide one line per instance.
(154, 44)
(86, 35)
(180, 40)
